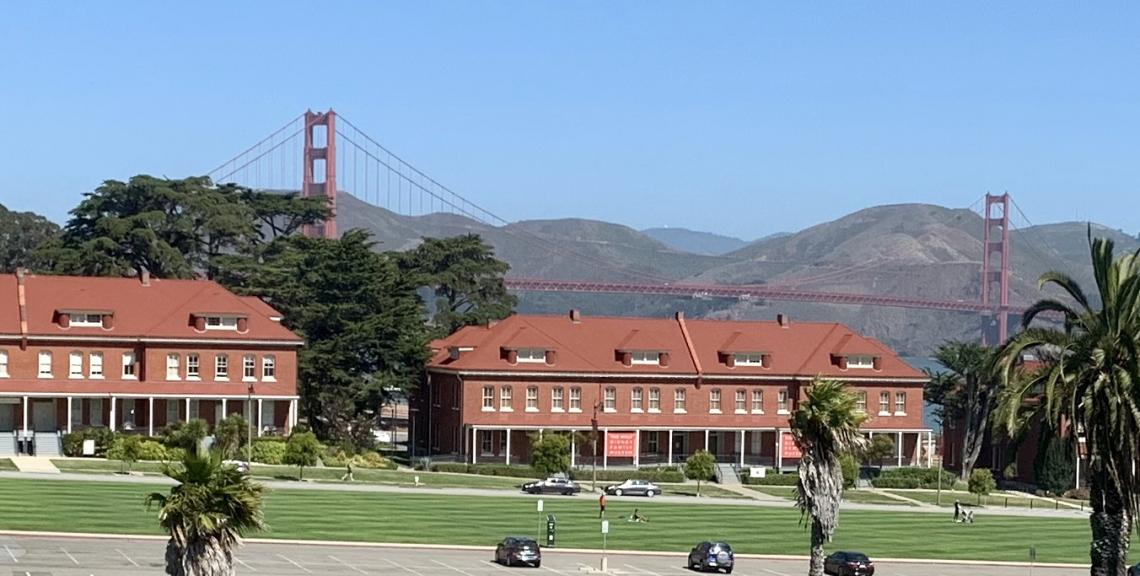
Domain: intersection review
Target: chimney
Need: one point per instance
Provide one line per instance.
(243, 324)
(22, 303)
(783, 320)
(877, 363)
(575, 315)
(199, 322)
(144, 277)
(680, 315)
(108, 321)
(663, 359)
(551, 357)
(64, 320)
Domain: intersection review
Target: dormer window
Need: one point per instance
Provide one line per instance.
(748, 359)
(533, 355)
(87, 319)
(862, 362)
(221, 323)
(645, 357)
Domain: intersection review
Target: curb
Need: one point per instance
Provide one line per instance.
(471, 548)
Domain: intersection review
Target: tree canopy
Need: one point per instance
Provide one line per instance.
(465, 278)
(965, 392)
(21, 233)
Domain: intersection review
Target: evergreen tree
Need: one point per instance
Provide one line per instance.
(21, 233)
(1054, 467)
(466, 279)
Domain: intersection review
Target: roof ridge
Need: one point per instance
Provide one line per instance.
(834, 326)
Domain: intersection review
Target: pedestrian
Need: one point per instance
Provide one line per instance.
(347, 473)
(602, 506)
(957, 511)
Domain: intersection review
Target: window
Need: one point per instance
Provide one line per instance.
(129, 371)
(884, 403)
(861, 362)
(86, 320)
(782, 402)
(741, 401)
(96, 411)
(172, 411)
(714, 400)
(757, 401)
(485, 441)
(575, 399)
(488, 398)
(652, 443)
(748, 359)
(76, 414)
(635, 400)
(530, 355)
(861, 401)
(172, 367)
(75, 365)
(128, 413)
(643, 357)
(95, 365)
(505, 399)
(532, 399)
(248, 368)
(900, 403)
(221, 323)
(193, 367)
(269, 368)
(679, 400)
(611, 399)
(45, 364)
(3, 363)
(654, 399)
(556, 398)
(221, 367)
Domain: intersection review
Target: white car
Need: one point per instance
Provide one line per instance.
(634, 488)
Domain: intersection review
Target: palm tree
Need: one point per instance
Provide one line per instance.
(206, 514)
(1088, 381)
(825, 425)
(966, 390)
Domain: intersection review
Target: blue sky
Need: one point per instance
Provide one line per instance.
(743, 118)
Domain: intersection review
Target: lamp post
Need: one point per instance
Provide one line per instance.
(594, 434)
(249, 426)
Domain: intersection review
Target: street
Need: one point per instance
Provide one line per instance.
(59, 556)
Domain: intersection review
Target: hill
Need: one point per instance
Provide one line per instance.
(695, 241)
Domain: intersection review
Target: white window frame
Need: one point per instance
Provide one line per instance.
(269, 368)
(486, 443)
(532, 398)
(530, 355)
(222, 323)
(680, 404)
(43, 365)
(610, 399)
(222, 367)
(644, 357)
(95, 365)
(900, 403)
(861, 401)
(748, 359)
(3, 363)
(884, 403)
(652, 442)
(782, 402)
(860, 362)
(75, 369)
(249, 368)
(757, 401)
(575, 399)
(173, 411)
(193, 367)
(714, 401)
(740, 402)
(84, 320)
(173, 370)
(556, 399)
(488, 398)
(636, 399)
(130, 366)
(655, 400)
(506, 399)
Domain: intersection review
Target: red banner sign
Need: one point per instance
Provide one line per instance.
(788, 448)
(621, 444)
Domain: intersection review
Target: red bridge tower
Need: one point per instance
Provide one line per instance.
(320, 162)
(995, 268)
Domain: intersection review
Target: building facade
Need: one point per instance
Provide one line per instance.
(133, 354)
(658, 389)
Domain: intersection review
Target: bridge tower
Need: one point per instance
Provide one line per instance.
(320, 167)
(995, 269)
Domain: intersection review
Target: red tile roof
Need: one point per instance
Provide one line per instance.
(801, 349)
(161, 309)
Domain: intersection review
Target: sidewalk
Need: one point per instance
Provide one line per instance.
(34, 464)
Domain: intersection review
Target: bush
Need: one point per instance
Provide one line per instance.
(302, 449)
(652, 474)
(153, 451)
(551, 453)
(265, 451)
(1055, 466)
(790, 479)
(231, 434)
(701, 466)
(452, 467)
(126, 449)
(185, 435)
(850, 470)
(912, 477)
(982, 482)
(73, 442)
(880, 448)
(1077, 494)
(372, 461)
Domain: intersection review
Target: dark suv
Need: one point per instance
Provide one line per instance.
(848, 564)
(711, 555)
(518, 550)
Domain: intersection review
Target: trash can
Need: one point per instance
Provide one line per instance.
(550, 525)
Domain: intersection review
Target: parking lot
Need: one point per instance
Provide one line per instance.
(37, 556)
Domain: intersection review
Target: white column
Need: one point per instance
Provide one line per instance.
(930, 449)
(224, 414)
(900, 448)
(475, 445)
(670, 448)
(187, 410)
(259, 417)
(114, 412)
(573, 448)
(636, 447)
(742, 448)
(150, 416)
(605, 453)
(25, 415)
(779, 450)
(69, 415)
(508, 446)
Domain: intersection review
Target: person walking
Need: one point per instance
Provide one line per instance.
(602, 506)
(347, 473)
(957, 511)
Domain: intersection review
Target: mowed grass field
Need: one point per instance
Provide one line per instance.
(116, 508)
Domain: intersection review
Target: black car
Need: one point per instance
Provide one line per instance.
(848, 564)
(552, 485)
(518, 550)
(1134, 570)
(710, 555)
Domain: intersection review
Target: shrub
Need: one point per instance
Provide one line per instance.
(231, 434)
(982, 482)
(701, 466)
(302, 449)
(850, 470)
(126, 449)
(453, 467)
(881, 447)
(265, 451)
(1055, 465)
(1077, 494)
(551, 453)
(790, 479)
(175, 454)
(73, 442)
(185, 435)
(152, 450)
(913, 477)
(652, 474)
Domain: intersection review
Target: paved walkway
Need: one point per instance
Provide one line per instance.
(34, 464)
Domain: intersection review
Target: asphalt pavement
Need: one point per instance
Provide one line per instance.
(75, 556)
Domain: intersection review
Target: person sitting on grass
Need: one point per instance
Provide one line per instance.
(637, 517)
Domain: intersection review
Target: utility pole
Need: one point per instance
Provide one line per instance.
(594, 435)
(249, 428)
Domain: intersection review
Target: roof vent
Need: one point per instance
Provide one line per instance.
(575, 315)
(144, 277)
(783, 320)
(680, 315)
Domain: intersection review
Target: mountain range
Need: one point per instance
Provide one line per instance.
(912, 250)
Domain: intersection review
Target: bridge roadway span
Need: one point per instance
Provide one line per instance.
(25, 555)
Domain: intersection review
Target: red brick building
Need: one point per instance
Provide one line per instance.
(662, 388)
(138, 354)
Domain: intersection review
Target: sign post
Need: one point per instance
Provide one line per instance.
(605, 532)
(1032, 558)
(540, 515)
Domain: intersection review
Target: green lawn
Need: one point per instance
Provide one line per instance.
(780, 491)
(860, 496)
(6, 464)
(707, 490)
(117, 508)
(998, 500)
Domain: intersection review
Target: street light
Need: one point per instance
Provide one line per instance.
(249, 426)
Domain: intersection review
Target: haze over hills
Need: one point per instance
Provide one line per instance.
(695, 241)
(913, 250)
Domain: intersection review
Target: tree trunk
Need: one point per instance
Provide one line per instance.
(817, 540)
(1110, 525)
(198, 558)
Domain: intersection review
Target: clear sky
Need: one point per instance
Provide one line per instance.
(743, 118)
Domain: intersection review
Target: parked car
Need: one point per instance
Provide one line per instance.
(1134, 570)
(552, 485)
(241, 465)
(848, 564)
(519, 550)
(711, 555)
(634, 488)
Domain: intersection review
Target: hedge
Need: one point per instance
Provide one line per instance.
(652, 474)
(370, 460)
(487, 469)
(790, 479)
(73, 441)
(267, 451)
(911, 477)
